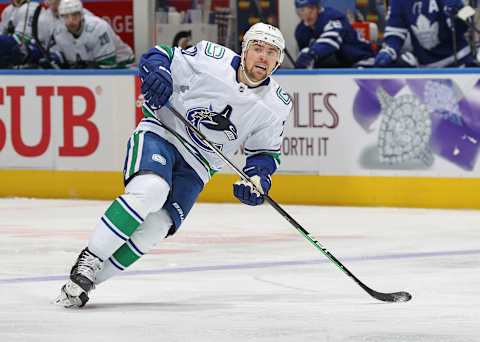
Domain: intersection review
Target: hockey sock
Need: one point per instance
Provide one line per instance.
(116, 226)
(147, 236)
(144, 194)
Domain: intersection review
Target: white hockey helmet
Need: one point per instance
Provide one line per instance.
(265, 33)
(70, 6)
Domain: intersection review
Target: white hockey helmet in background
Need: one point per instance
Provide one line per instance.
(70, 6)
(265, 33)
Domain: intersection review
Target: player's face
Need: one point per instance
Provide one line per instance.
(260, 60)
(53, 5)
(73, 22)
(308, 14)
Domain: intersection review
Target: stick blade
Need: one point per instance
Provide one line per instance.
(395, 297)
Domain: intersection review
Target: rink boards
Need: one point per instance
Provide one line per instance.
(384, 138)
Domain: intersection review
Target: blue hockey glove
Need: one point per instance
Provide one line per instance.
(10, 52)
(156, 84)
(55, 60)
(260, 178)
(304, 59)
(385, 57)
(453, 6)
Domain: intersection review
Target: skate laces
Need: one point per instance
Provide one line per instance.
(88, 265)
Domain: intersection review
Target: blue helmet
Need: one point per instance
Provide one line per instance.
(303, 3)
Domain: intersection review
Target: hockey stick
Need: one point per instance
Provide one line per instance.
(36, 17)
(22, 38)
(454, 39)
(467, 15)
(386, 297)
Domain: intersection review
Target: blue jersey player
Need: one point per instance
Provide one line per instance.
(325, 38)
(437, 36)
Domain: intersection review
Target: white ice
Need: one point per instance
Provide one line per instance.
(239, 273)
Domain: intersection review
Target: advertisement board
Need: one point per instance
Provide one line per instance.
(400, 138)
(388, 125)
(118, 13)
(65, 123)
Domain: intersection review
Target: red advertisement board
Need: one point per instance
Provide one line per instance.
(119, 13)
(74, 122)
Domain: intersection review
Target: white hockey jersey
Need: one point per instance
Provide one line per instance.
(18, 19)
(230, 114)
(96, 43)
(48, 22)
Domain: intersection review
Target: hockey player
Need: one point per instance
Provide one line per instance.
(15, 32)
(325, 38)
(431, 28)
(233, 100)
(87, 41)
(49, 21)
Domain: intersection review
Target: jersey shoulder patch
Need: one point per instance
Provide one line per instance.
(214, 50)
(95, 24)
(90, 27)
(283, 96)
(333, 25)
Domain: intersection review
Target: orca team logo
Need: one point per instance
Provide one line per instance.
(217, 127)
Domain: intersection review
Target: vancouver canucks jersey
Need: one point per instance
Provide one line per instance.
(18, 20)
(97, 43)
(48, 22)
(430, 30)
(333, 34)
(207, 93)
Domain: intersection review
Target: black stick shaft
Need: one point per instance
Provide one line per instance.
(35, 21)
(389, 297)
(454, 39)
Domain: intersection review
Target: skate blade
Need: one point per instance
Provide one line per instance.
(67, 301)
(63, 301)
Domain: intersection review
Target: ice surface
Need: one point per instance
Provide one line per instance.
(239, 273)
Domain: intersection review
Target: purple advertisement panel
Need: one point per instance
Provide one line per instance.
(418, 120)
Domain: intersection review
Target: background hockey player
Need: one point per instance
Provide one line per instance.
(233, 101)
(325, 38)
(15, 32)
(49, 21)
(87, 41)
(431, 31)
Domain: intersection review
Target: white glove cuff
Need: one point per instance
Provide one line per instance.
(255, 180)
(390, 51)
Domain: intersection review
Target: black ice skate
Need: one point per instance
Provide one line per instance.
(82, 276)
